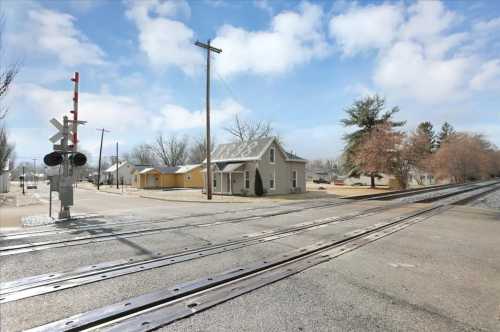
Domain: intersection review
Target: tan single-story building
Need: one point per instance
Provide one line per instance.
(186, 176)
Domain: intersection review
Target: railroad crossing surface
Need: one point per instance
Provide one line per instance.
(410, 262)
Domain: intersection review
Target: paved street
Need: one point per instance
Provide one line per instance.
(441, 274)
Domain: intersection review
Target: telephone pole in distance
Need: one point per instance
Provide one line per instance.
(102, 130)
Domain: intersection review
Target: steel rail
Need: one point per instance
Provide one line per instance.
(37, 285)
(383, 196)
(72, 228)
(37, 246)
(51, 282)
(153, 310)
(468, 200)
(402, 193)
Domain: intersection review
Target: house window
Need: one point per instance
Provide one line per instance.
(294, 179)
(188, 177)
(272, 181)
(272, 155)
(247, 180)
(215, 181)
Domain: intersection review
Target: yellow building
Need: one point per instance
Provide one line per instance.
(186, 176)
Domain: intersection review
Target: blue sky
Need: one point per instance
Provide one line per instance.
(298, 64)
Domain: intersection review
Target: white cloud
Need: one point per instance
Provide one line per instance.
(54, 33)
(177, 117)
(362, 28)
(117, 113)
(427, 20)
(293, 38)
(487, 26)
(264, 5)
(488, 76)
(165, 41)
(405, 70)
(420, 55)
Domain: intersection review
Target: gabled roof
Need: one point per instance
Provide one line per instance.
(251, 150)
(247, 151)
(139, 168)
(113, 167)
(293, 157)
(170, 169)
(187, 168)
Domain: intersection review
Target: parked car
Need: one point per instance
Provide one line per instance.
(321, 180)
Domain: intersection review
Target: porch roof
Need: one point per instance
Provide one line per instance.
(230, 168)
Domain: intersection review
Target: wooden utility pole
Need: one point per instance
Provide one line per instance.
(102, 130)
(209, 169)
(35, 177)
(117, 166)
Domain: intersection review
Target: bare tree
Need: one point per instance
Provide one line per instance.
(142, 155)
(171, 150)
(7, 74)
(246, 130)
(6, 150)
(198, 150)
(465, 157)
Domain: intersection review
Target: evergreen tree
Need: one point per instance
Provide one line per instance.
(447, 130)
(426, 130)
(259, 188)
(366, 114)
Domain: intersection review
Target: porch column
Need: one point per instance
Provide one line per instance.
(230, 183)
(221, 184)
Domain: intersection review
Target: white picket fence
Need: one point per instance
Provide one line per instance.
(4, 183)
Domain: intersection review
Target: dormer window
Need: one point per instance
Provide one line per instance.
(272, 155)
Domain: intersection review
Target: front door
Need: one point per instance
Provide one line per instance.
(227, 180)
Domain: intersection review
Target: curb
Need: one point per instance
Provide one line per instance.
(191, 201)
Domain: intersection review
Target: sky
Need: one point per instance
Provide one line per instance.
(296, 64)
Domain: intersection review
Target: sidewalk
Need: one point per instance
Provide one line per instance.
(14, 205)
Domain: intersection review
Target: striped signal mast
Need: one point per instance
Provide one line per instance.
(76, 80)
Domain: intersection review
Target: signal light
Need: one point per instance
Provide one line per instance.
(78, 159)
(53, 159)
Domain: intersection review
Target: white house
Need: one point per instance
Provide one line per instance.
(235, 166)
(125, 172)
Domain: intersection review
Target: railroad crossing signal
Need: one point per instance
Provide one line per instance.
(64, 155)
(62, 130)
(60, 134)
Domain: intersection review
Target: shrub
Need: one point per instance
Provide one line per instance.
(259, 188)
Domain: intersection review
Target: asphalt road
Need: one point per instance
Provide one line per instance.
(442, 274)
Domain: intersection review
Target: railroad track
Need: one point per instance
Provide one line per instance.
(328, 203)
(153, 310)
(95, 238)
(51, 282)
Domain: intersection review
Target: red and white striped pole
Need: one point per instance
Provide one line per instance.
(76, 80)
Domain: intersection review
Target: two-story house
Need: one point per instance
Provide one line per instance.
(234, 168)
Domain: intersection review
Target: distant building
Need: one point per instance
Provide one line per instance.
(126, 172)
(186, 176)
(234, 167)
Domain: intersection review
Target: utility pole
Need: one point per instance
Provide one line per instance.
(24, 179)
(117, 187)
(102, 130)
(34, 171)
(209, 168)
